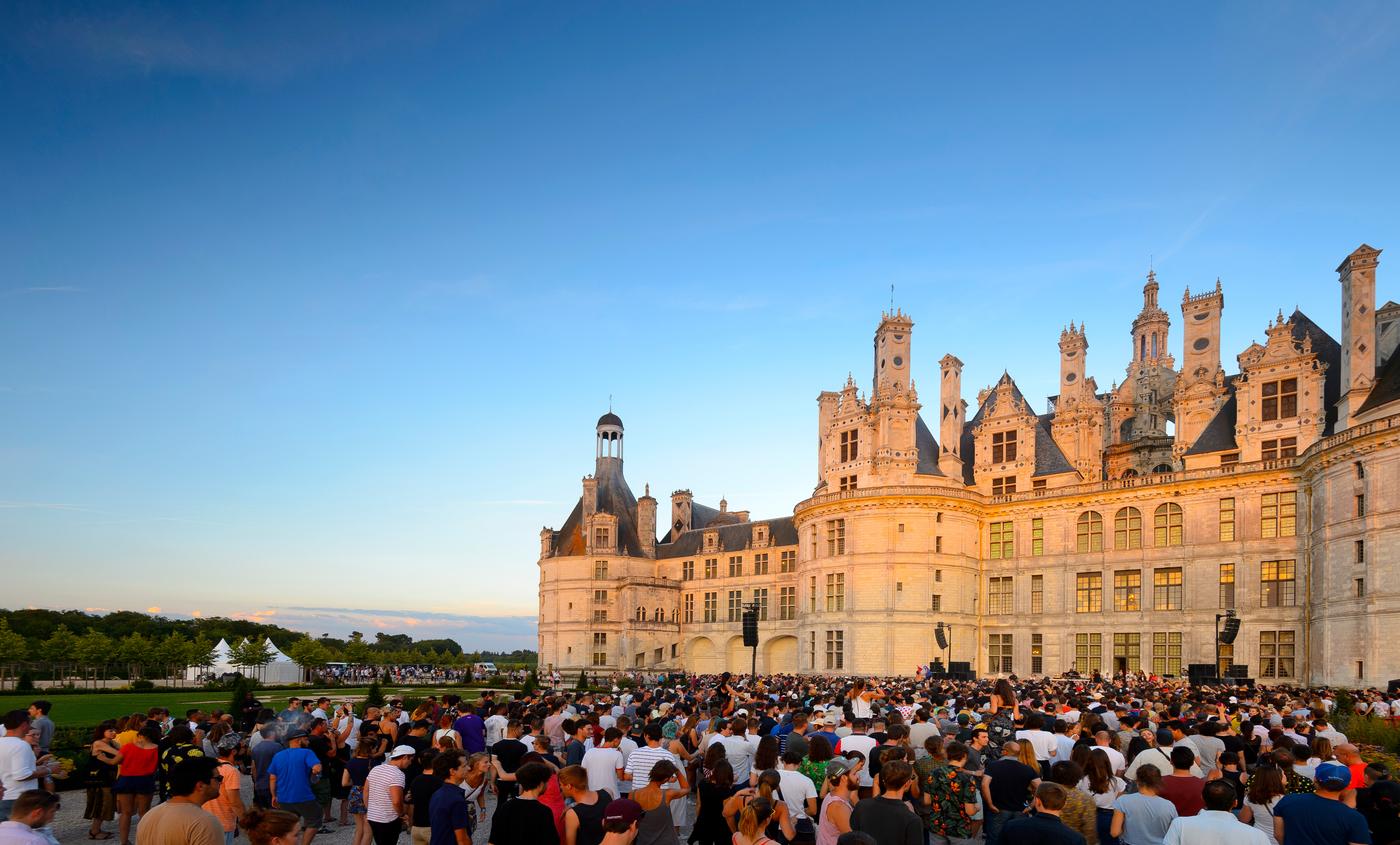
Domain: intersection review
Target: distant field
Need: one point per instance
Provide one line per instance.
(85, 710)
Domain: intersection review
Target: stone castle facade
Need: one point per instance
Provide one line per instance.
(1109, 533)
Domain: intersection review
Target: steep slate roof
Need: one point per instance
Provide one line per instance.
(1328, 350)
(1049, 460)
(732, 538)
(614, 497)
(928, 449)
(1219, 433)
(1387, 388)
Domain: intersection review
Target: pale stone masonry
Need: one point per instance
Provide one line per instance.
(1106, 533)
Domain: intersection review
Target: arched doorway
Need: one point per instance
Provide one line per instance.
(780, 656)
(740, 658)
(701, 657)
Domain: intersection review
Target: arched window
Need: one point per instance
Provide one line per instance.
(1166, 524)
(675, 617)
(1127, 529)
(641, 614)
(1088, 532)
(1163, 468)
(1129, 473)
(659, 616)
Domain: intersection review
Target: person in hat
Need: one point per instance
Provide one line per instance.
(289, 778)
(1321, 818)
(384, 789)
(228, 806)
(834, 817)
(620, 821)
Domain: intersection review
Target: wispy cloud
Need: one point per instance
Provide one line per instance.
(45, 506)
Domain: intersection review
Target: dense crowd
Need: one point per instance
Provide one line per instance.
(737, 761)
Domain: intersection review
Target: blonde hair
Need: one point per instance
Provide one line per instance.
(754, 817)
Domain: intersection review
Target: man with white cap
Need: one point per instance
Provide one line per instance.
(384, 809)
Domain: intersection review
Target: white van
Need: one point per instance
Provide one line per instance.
(483, 668)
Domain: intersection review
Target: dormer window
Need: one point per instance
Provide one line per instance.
(711, 541)
(850, 445)
(760, 534)
(1003, 447)
(1002, 486)
(1280, 399)
(600, 537)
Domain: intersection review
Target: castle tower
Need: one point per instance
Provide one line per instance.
(892, 345)
(646, 522)
(1200, 389)
(952, 413)
(609, 442)
(1150, 327)
(1078, 424)
(1358, 277)
(1073, 345)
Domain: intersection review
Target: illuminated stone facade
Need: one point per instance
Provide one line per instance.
(1104, 534)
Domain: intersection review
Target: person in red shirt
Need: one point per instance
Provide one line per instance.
(1181, 787)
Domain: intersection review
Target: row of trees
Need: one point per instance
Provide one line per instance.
(94, 654)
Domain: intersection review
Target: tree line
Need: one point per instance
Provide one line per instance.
(137, 645)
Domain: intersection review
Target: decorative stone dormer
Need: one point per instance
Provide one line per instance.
(600, 536)
(1279, 394)
(546, 542)
(709, 541)
(1004, 457)
(761, 537)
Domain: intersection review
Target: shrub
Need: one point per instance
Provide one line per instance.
(25, 683)
(530, 686)
(373, 698)
(142, 685)
(583, 679)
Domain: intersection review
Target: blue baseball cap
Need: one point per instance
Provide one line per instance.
(1333, 775)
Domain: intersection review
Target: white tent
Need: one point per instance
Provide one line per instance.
(280, 671)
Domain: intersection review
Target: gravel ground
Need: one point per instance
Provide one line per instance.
(70, 826)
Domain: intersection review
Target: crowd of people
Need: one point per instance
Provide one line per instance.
(720, 760)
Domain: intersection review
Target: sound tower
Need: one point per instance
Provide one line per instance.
(1230, 630)
(750, 628)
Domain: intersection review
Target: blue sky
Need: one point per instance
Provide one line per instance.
(308, 312)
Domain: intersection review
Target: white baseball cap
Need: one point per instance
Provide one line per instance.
(401, 751)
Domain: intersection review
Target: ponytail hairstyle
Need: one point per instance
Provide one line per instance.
(768, 783)
(263, 826)
(754, 817)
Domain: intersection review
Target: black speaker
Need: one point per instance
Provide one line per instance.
(959, 666)
(1237, 670)
(1230, 630)
(750, 628)
(1393, 688)
(941, 636)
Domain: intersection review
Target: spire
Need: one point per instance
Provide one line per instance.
(1149, 291)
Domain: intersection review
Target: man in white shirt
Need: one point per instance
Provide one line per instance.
(496, 725)
(738, 750)
(626, 745)
(859, 741)
(1046, 749)
(1322, 728)
(604, 764)
(1115, 757)
(921, 730)
(34, 811)
(18, 772)
(797, 789)
(1216, 824)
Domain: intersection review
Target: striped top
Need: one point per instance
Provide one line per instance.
(379, 804)
(639, 764)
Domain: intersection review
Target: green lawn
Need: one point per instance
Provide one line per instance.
(87, 710)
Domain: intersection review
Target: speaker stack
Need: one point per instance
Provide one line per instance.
(750, 628)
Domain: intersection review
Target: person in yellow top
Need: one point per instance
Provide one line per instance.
(130, 726)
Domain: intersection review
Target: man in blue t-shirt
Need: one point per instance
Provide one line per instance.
(289, 780)
(450, 815)
(472, 730)
(1321, 818)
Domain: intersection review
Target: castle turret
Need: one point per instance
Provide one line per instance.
(1358, 277)
(952, 412)
(1200, 389)
(681, 502)
(646, 522)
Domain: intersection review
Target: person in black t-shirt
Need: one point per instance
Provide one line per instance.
(524, 820)
(506, 755)
(420, 796)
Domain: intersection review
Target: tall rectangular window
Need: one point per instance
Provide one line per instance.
(937, 545)
(1283, 447)
(600, 616)
(600, 649)
(999, 647)
(1227, 585)
(999, 595)
(689, 608)
(1166, 588)
(760, 597)
(1360, 505)
(1037, 654)
(600, 537)
(1127, 651)
(787, 603)
(812, 649)
(1277, 582)
(1003, 447)
(1088, 532)
(736, 605)
(836, 537)
(1227, 520)
(711, 567)
(1166, 653)
(1278, 514)
(835, 591)
(1276, 654)
(1280, 400)
(1360, 551)
(1127, 529)
(847, 482)
(787, 561)
(760, 563)
(1088, 653)
(1088, 592)
(812, 594)
(936, 603)
(835, 649)
(600, 596)
(600, 569)
(1037, 536)
(736, 567)
(1127, 590)
(687, 570)
(1002, 541)
(850, 445)
(1002, 485)
(1037, 594)
(712, 607)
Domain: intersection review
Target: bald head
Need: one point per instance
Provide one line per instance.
(1011, 749)
(1347, 754)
